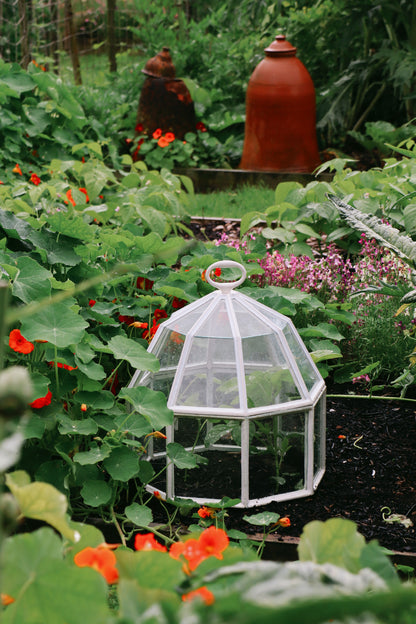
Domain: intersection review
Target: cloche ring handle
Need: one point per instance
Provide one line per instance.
(225, 287)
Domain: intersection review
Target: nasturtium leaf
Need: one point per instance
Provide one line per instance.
(32, 281)
(74, 226)
(140, 515)
(85, 426)
(335, 541)
(93, 456)
(92, 370)
(104, 399)
(41, 501)
(136, 424)
(146, 471)
(151, 569)
(41, 598)
(40, 385)
(56, 323)
(180, 456)
(265, 518)
(149, 403)
(122, 464)
(96, 493)
(84, 353)
(126, 349)
(19, 81)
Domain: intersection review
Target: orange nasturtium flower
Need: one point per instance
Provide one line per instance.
(101, 559)
(169, 137)
(284, 522)
(35, 179)
(157, 134)
(156, 434)
(18, 343)
(163, 142)
(69, 197)
(148, 542)
(206, 512)
(16, 169)
(5, 599)
(203, 593)
(84, 190)
(139, 325)
(211, 543)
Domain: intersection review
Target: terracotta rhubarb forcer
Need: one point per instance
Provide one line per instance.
(280, 131)
(165, 101)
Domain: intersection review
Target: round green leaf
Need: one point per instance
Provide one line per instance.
(122, 465)
(126, 349)
(140, 515)
(96, 493)
(57, 323)
(150, 403)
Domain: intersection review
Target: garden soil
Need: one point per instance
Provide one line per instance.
(370, 476)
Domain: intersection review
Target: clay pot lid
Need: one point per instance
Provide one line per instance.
(160, 66)
(280, 47)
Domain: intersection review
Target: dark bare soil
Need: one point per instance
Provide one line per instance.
(372, 467)
(370, 464)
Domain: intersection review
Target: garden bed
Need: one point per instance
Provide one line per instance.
(370, 465)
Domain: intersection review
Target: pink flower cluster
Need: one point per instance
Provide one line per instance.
(330, 274)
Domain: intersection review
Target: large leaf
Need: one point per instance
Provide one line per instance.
(32, 281)
(59, 324)
(126, 349)
(150, 404)
(46, 589)
(335, 541)
(40, 501)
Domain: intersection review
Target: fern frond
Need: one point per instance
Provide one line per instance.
(373, 227)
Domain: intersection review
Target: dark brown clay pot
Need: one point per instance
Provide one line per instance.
(280, 131)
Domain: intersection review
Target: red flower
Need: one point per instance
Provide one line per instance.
(148, 542)
(169, 137)
(144, 284)
(101, 559)
(16, 169)
(83, 407)
(203, 593)
(201, 127)
(84, 190)
(42, 401)
(92, 303)
(60, 365)
(157, 134)
(163, 142)
(126, 319)
(139, 127)
(159, 314)
(178, 303)
(35, 179)
(18, 343)
(70, 198)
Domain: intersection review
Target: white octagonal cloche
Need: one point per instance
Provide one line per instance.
(247, 398)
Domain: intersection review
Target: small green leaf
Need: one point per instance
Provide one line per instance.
(140, 515)
(149, 403)
(265, 518)
(180, 456)
(96, 493)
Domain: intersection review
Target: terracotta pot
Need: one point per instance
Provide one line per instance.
(280, 131)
